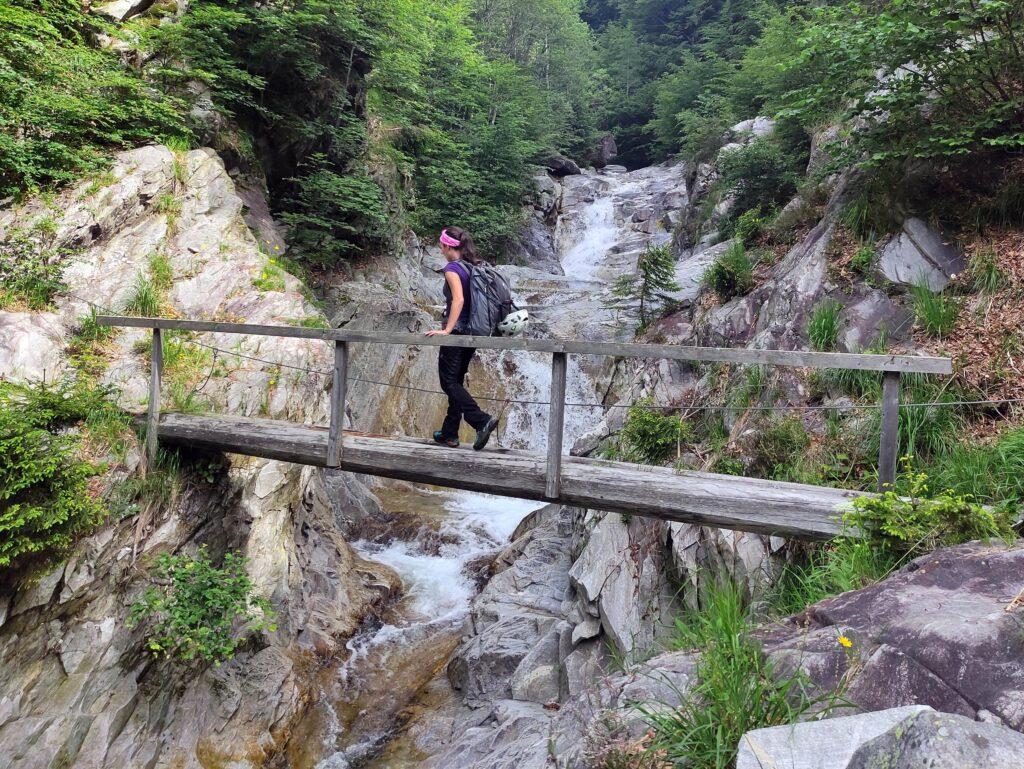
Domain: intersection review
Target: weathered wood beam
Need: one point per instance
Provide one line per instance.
(889, 440)
(742, 356)
(156, 368)
(746, 504)
(556, 426)
(338, 387)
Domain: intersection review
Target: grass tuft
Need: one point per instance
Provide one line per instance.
(732, 273)
(936, 313)
(823, 326)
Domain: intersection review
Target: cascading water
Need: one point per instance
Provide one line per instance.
(361, 701)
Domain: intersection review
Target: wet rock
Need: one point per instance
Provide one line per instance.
(919, 253)
(560, 166)
(605, 152)
(825, 744)
(930, 740)
(963, 664)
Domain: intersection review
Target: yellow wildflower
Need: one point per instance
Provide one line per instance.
(845, 642)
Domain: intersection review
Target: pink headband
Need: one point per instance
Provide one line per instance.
(448, 240)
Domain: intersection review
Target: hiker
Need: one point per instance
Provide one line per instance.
(453, 362)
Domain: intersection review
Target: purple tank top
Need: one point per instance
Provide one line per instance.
(461, 270)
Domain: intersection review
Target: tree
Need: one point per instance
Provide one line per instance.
(916, 78)
(655, 275)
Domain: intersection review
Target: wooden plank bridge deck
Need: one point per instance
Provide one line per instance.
(728, 501)
(732, 502)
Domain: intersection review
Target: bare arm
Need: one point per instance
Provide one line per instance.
(458, 300)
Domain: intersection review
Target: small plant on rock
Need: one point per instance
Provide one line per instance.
(654, 277)
(650, 436)
(823, 326)
(919, 523)
(936, 313)
(731, 274)
(197, 610)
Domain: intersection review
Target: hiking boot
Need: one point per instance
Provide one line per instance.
(452, 443)
(484, 433)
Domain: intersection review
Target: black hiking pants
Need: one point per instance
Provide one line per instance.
(452, 365)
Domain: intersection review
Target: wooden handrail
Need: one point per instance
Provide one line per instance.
(904, 364)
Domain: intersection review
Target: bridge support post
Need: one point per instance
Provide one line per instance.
(889, 441)
(338, 386)
(156, 368)
(556, 422)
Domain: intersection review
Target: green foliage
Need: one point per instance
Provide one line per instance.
(823, 325)
(45, 499)
(655, 275)
(778, 445)
(986, 276)
(63, 100)
(890, 67)
(935, 312)
(759, 174)
(991, 474)
(749, 225)
(844, 564)
(737, 689)
(144, 300)
(915, 524)
(652, 436)
(30, 269)
(161, 271)
(196, 610)
(863, 260)
(271, 277)
(731, 274)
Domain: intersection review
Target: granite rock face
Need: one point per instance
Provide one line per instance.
(79, 688)
(930, 740)
(936, 633)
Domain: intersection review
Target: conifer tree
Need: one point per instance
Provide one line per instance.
(654, 276)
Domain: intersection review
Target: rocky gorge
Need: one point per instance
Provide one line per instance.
(384, 654)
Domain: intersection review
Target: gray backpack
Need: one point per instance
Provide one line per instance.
(490, 300)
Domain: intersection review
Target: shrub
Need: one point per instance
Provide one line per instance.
(750, 224)
(737, 689)
(936, 313)
(863, 260)
(650, 436)
(45, 499)
(909, 526)
(778, 445)
(64, 101)
(759, 174)
(200, 611)
(731, 274)
(823, 326)
(30, 270)
(655, 275)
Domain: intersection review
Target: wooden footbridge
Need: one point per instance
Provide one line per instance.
(732, 502)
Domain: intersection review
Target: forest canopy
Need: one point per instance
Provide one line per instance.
(366, 117)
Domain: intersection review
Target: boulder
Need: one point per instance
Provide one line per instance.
(560, 165)
(754, 128)
(605, 151)
(930, 740)
(936, 633)
(120, 10)
(875, 314)
(825, 744)
(920, 253)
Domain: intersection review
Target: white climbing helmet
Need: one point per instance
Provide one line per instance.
(514, 323)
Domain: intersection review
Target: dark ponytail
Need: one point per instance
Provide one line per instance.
(466, 247)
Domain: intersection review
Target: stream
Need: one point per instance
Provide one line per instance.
(387, 673)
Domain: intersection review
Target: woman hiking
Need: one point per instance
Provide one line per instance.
(453, 362)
